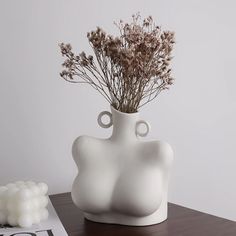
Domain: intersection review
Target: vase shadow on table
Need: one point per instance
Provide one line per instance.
(5, 226)
(103, 229)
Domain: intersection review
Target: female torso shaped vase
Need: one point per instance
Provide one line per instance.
(122, 180)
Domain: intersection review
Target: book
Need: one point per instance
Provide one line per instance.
(50, 227)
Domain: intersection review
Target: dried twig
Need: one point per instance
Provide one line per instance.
(129, 70)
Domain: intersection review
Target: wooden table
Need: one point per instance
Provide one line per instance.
(182, 221)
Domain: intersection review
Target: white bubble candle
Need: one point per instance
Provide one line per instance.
(23, 203)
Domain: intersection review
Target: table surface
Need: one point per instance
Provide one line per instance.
(181, 221)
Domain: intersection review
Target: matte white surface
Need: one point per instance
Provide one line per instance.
(52, 224)
(41, 115)
(122, 179)
(23, 203)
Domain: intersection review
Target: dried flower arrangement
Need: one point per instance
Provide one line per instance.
(129, 70)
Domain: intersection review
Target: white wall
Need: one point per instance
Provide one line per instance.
(41, 114)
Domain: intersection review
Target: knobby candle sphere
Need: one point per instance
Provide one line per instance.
(23, 203)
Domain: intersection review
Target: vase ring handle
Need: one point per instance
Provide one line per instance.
(100, 122)
(138, 131)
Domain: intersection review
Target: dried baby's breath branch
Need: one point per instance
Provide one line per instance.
(129, 70)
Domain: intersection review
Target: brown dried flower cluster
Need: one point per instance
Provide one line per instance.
(129, 70)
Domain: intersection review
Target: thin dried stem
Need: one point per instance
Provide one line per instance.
(129, 70)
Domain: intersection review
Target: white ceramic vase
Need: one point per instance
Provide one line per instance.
(122, 179)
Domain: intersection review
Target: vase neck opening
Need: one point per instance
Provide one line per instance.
(124, 125)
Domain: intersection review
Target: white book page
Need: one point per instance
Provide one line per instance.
(50, 227)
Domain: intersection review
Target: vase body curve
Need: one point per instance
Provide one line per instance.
(122, 179)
